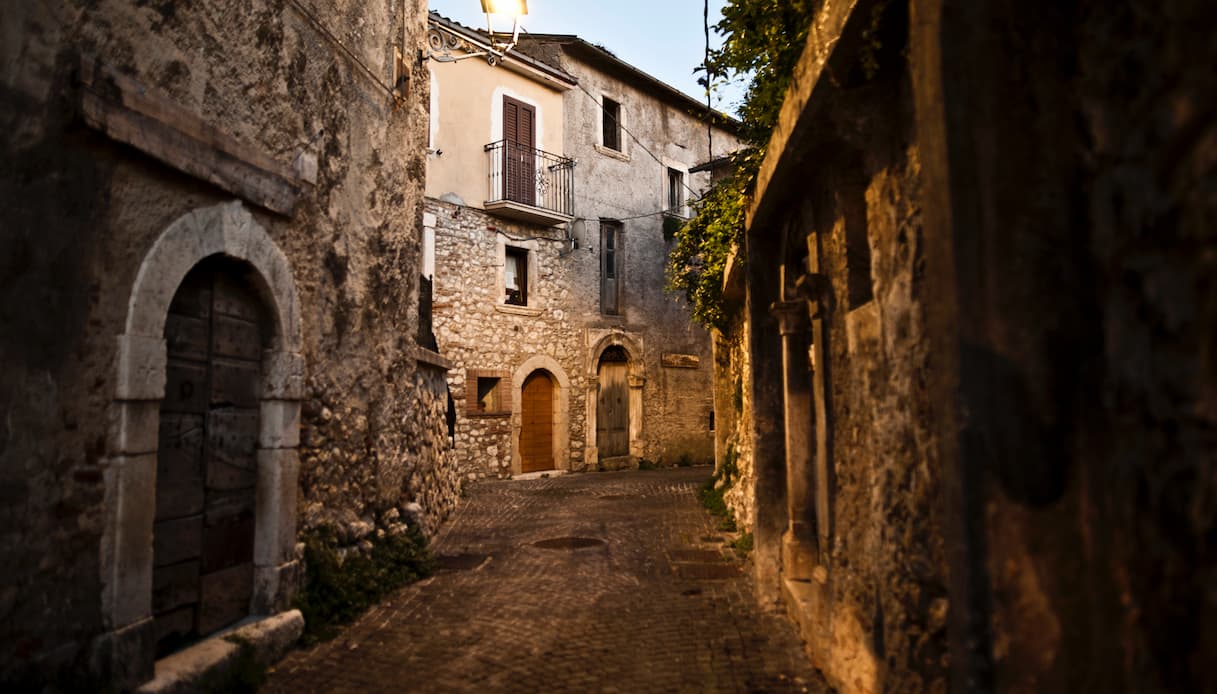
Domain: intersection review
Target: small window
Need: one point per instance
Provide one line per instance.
(612, 124)
(515, 276)
(676, 191)
(610, 267)
(486, 393)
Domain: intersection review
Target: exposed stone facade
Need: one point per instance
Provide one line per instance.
(140, 140)
(979, 348)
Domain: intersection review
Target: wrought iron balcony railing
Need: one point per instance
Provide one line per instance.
(528, 176)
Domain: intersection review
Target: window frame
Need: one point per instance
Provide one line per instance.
(522, 260)
(500, 391)
(617, 145)
(611, 230)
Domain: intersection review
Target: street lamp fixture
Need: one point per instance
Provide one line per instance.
(505, 8)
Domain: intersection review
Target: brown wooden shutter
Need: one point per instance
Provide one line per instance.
(520, 141)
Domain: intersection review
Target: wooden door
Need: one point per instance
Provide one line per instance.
(519, 151)
(537, 427)
(203, 536)
(613, 410)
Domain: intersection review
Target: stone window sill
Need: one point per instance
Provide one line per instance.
(612, 153)
(518, 310)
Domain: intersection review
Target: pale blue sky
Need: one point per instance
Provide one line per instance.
(663, 38)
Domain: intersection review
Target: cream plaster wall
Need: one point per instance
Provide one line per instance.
(467, 114)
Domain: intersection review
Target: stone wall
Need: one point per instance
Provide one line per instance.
(845, 479)
(83, 212)
(996, 462)
(480, 334)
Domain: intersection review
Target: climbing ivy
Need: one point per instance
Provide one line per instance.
(762, 41)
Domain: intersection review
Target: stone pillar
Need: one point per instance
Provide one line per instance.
(799, 552)
(637, 443)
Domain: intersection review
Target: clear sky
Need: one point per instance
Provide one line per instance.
(664, 38)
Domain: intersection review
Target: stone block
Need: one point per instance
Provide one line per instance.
(282, 375)
(279, 424)
(275, 536)
(140, 368)
(132, 427)
(127, 544)
(125, 657)
(275, 587)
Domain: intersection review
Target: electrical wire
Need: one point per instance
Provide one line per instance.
(334, 40)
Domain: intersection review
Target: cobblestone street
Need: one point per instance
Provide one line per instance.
(596, 582)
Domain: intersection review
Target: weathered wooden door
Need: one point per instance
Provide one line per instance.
(206, 473)
(519, 151)
(613, 406)
(537, 427)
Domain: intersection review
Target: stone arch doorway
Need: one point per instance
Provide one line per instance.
(613, 405)
(216, 331)
(225, 233)
(537, 423)
(560, 456)
(615, 370)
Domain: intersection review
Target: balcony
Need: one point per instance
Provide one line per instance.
(530, 185)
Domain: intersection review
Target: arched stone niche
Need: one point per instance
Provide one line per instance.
(599, 341)
(561, 410)
(125, 652)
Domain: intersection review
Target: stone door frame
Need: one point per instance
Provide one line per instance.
(599, 341)
(561, 425)
(125, 653)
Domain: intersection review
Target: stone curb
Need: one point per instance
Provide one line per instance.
(215, 658)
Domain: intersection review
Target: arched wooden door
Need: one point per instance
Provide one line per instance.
(206, 474)
(537, 426)
(613, 404)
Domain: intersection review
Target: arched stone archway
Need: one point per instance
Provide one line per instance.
(229, 230)
(636, 381)
(561, 413)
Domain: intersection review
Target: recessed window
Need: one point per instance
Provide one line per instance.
(611, 126)
(676, 191)
(515, 276)
(486, 393)
(610, 267)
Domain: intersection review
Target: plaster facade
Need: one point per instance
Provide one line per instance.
(140, 141)
(665, 407)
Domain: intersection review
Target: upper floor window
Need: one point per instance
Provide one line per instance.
(610, 267)
(611, 126)
(515, 276)
(676, 191)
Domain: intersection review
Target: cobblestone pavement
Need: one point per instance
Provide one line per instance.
(609, 582)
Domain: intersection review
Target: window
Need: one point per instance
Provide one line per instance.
(610, 266)
(676, 191)
(486, 392)
(612, 124)
(515, 276)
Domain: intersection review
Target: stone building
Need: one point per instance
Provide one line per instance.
(210, 265)
(970, 387)
(555, 177)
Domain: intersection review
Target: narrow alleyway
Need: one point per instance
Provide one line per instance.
(596, 582)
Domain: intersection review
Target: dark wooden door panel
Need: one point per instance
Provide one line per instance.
(207, 464)
(232, 446)
(234, 384)
(179, 466)
(225, 597)
(177, 540)
(612, 411)
(175, 586)
(185, 386)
